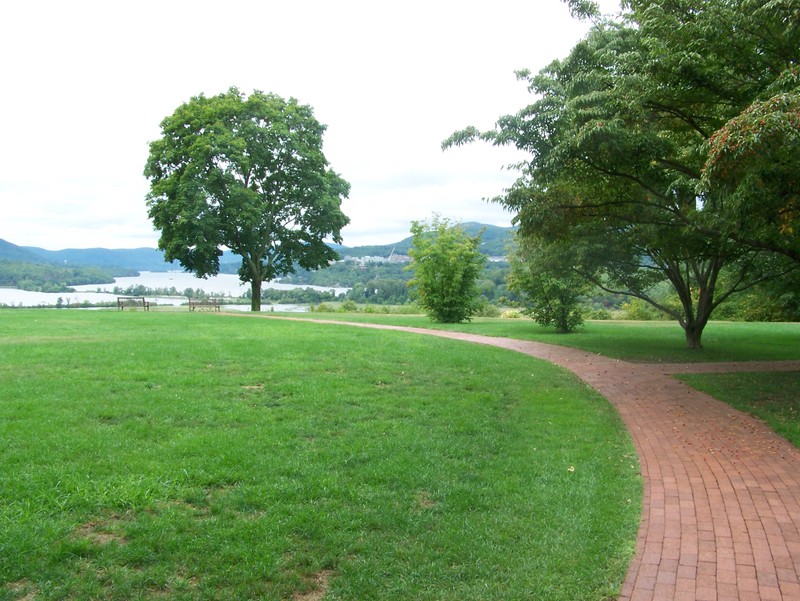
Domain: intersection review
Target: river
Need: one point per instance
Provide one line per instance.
(219, 285)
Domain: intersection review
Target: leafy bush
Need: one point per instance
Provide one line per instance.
(638, 310)
(486, 309)
(348, 306)
(446, 263)
(549, 288)
(597, 314)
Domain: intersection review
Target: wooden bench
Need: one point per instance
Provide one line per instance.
(210, 304)
(132, 301)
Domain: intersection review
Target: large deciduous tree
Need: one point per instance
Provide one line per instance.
(247, 174)
(446, 264)
(619, 136)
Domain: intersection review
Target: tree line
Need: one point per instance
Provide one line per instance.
(450, 283)
(38, 277)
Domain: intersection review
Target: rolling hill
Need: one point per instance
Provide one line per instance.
(12, 252)
(141, 259)
(494, 242)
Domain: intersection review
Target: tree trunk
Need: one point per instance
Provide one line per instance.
(697, 320)
(255, 300)
(702, 275)
(694, 334)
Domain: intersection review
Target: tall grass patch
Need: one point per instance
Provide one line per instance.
(185, 456)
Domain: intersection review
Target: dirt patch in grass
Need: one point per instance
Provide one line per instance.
(99, 533)
(180, 585)
(321, 582)
(424, 501)
(23, 590)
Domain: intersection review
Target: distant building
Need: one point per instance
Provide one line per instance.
(379, 260)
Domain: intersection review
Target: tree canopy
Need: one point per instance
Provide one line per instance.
(621, 135)
(753, 169)
(249, 174)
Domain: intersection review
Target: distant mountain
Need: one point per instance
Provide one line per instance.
(26, 269)
(141, 259)
(12, 252)
(493, 243)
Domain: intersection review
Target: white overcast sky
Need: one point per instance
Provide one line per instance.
(85, 85)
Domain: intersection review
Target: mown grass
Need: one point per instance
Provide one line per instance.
(773, 397)
(196, 456)
(641, 341)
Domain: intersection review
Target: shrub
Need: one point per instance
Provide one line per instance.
(597, 314)
(486, 309)
(638, 310)
(348, 306)
(446, 263)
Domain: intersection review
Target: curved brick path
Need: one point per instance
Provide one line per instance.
(721, 506)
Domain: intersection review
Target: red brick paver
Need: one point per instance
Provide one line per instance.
(721, 507)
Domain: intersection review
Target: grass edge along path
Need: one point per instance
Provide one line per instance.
(768, 395)
(637, 341)
(148, 456)
(721, 517)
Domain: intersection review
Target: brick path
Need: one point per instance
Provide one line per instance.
(721, 506)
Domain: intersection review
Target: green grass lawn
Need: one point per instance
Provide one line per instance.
(197, 456)
(773, 397)
(641, 341)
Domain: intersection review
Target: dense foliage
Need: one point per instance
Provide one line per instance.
(386, 282)
(349, 274)
(752, 169)
(446, 264)
(247, 174)
(55, 278)
(619, 136)
(552, 297)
